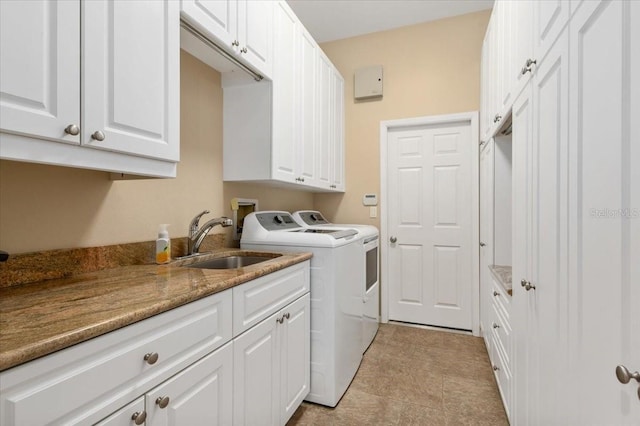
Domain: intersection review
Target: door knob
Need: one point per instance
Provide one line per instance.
(393, 240)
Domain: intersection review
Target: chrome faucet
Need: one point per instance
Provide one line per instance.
(196, 236)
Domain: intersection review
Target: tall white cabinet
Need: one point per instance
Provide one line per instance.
(575, 216)
(296, 134)
(96, 86)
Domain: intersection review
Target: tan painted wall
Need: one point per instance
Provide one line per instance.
(46, 207)
(429, 69)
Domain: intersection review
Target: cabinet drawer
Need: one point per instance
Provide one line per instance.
(501, 331)
(105, 373)
(501, 299)
(503, 377)
(256, 300)
(124, 415)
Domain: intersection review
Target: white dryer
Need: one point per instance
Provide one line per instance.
(370, 287)
(336, 301)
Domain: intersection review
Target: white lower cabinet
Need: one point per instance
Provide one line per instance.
(185, 366)
(272, 366)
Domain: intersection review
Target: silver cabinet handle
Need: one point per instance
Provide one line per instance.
(287, 315)
(280, 320)
(151, 358)
(243, 50)
(235, 43)
(97, 135)
(72, 130)
(393, 240)
(162, 401)
(482, 244)
(523, 282)
(624, 376)
(496, 368)
(497, 118)
(495, 325)
(139, 417)
(527, 285)
(495, 293)
(527, 66)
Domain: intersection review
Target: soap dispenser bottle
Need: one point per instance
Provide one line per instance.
(163, 245)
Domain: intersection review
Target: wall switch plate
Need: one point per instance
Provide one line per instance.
(373, 212)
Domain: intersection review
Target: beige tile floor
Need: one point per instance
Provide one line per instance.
(414, 376)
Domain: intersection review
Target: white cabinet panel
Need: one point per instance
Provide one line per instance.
(201, 394)
(215, 18)
(338, 148)
(324, 120)
(40, 68)
(129, 88)
(309, 96)
(603, 215)
(549, 19)
(285, 99)
(255, 30)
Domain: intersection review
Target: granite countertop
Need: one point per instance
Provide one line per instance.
(40, 318)
(502, 274)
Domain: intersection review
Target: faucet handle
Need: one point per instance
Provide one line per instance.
(193, 227)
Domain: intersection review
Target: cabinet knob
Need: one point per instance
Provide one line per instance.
(624, 376)
(393, 240)
(527, 285)
(482, 244)
(72, 130)
(97, 135)
(235, 43)
(139, 417)
(280, 320)
(162, 401)
(495, 325)
(496, 368)
(151, 358)
(243, 50)
(497, 118)
(287, 315)
(495, 293)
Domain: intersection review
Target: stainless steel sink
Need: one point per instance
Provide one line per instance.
(229, 262)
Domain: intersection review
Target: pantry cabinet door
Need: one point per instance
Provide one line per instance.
(337, 147)
(549, 19)
(324, 121)
(604, 228)
(40, 68)
(308, 106)
(131, 84)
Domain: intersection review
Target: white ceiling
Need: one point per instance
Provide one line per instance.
(329, 20)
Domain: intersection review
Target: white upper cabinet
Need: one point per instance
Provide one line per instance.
(337, 150)
(549, 19)
(34, 100)
(129, 90)
(296, 136)
(116, 95)
(242, 27)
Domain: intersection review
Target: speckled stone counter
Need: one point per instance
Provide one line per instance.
(502, 274)
(40, 318)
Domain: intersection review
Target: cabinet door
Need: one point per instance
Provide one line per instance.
(604, 215)
(549, 18)
(308, 107)
(40, 68)
(337, 141)
(522, 122)
(486, 233)
(255, 31)
(127, 415)
(285, 100)
(295, 356)
(131, 78)
(199, 395)
(215, 18)
(256, 374)
(325, 121)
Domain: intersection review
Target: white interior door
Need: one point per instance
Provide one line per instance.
(429, 210)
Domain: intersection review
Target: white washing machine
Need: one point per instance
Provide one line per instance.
(336, 300)
(370, 287)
